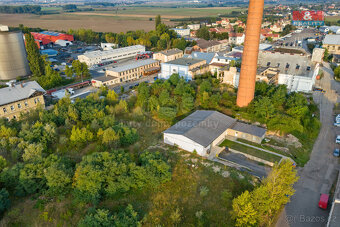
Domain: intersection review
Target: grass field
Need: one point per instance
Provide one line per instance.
(333, 18)
(125, 19)
(251, 151)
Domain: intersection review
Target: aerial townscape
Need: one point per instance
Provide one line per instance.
(170, 113)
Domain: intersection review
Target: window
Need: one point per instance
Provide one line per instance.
(12, 108)
(35, 101)
(19, 105)
(14, 117)
(4, 109)
(26, 104)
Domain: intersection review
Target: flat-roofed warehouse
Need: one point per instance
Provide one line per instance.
(96, 57)
(203, 130)
(128, 72)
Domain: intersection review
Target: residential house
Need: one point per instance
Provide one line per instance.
(236, 38)
(168, 55)
(277, 27)
(209, 46)
(332, 44)
(18, 99)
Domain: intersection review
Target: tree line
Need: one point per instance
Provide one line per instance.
(35, 9)
(159, 39)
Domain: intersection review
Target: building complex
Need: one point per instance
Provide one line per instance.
(97, 57)
(128, 72)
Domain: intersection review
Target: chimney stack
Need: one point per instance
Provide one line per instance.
(246, 88)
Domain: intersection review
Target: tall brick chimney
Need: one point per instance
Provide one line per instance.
(246, 88)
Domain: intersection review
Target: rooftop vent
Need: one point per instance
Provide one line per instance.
(308, 68)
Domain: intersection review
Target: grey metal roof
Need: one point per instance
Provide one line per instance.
(202, 126)
(133, 65)
(332, 40)
(208, 57)
(105, 78)
(184, 61)
(18, 92)
(172, 52)
(249, 129)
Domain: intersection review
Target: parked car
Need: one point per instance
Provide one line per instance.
(337, 124)
(336, 152)
(337, 140)
(323, 202)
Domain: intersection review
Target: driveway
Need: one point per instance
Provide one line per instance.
(252, 167)
(320, 172)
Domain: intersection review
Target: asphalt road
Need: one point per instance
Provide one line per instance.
(255, 169)
(319, 173)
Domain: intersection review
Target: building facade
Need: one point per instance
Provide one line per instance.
(236, 38)
(332, 44)
(127, 73)
(182, 32)
(96, 57)
(16, 100)
(185, 67)
(168, 55)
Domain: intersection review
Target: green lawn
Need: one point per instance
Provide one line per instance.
(250, 151)
(263, 146)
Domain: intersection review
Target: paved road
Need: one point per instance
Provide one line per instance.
(319, 173)
(255, 169)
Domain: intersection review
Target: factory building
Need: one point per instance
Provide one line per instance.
(97, 57)
(47, 37)
(20, 98)
(128, 72)
(13, 57)
(168, 55)
(296, 71)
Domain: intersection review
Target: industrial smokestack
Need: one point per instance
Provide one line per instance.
(246, 88)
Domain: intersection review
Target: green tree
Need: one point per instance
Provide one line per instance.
(167, 113)
(3, 163)
(244, 211)
(68, 71)
(34, 58)
(158, 21)
(112, 96)
(128, 217)
(98, 218)
(203, 33)
(33, 152)
(264, 108)
(337, 73)
(5, 203)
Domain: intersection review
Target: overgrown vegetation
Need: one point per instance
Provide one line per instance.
(273, 107)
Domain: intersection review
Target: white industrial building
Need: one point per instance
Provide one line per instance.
(297, 71)
(182, 32)
(194, 27)
(98, 56)
(203, 129)
(63, 43)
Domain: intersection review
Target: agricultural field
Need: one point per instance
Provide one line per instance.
(123, 20)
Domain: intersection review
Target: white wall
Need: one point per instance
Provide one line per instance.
(185, 143)
(169, 69)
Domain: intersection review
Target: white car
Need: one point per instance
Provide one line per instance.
(337, 140)
(337, 124)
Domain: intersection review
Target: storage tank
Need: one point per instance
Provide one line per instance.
(13, 58)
